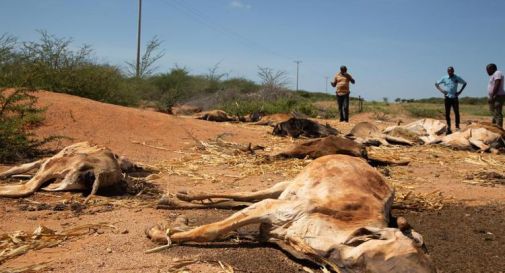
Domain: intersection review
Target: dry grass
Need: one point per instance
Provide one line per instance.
(468, 167)
(220, 154)
(18, 243)
(183, 266)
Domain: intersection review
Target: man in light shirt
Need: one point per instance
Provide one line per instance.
(448, 85)
(496, 93)
(341, 82)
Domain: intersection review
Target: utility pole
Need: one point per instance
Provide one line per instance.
(297, 70)
(138, 39)
(326, 84)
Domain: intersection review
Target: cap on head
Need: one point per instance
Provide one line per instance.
(343, 68)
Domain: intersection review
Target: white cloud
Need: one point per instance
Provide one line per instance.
(239, 4)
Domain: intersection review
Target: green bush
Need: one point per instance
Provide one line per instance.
(281, 105)
(172, 87)
(18, 115)
(241, 85)
(52, 64)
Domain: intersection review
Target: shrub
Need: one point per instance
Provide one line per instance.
(18, 115)
(172, 87)
(281, 105)
(52, 64)
(241, 85)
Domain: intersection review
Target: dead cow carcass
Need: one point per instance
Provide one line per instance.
(368, 134)
(480, 135)
(296, 127)
(80, 166)
(336, 145)
(336, 213)
(216, 115)
(274, 119)
(428, 130)
(324, 146)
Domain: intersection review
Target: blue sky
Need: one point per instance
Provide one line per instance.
(393, 48)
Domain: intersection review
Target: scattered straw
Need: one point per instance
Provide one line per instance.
(485, 179)
(180, 266)
(26, 269)
(233, 158)
(19, 242)
(419, 201)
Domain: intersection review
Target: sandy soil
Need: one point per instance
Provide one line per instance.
(464, 236)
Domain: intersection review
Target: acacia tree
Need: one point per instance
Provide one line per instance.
(7, 46)
(272, 79)
(55, 53)
(151, 55)
(214, 78)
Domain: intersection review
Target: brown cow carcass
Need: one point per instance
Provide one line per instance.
(295, 127)
(215, 115)
(336, 212)
(332, 145)
(319, 147)
(274, 119)
(78, 167)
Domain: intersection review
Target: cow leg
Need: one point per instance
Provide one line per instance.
(67, 183)
(270, 211)
(22, 168)
(270, 193)
(96, 186)
(399, 140)
(479, 144)
(28, 188)
(174, 203)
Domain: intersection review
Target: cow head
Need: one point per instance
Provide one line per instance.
(385, 250)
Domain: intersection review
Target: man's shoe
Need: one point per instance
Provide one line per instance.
(448, 132)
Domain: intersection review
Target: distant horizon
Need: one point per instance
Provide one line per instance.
(393, 48)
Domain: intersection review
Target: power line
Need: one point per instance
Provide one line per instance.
(200, 17)
(203, 19)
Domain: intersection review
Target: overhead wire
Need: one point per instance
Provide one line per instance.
(203, 19)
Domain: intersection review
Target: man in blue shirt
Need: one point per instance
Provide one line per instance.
(448, 85)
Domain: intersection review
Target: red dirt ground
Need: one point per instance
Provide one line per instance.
(452, 234)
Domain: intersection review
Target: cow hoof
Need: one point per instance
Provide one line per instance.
(157, 234)
(403, 224)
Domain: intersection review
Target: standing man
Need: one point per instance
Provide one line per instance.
(341, 82)
(451, 94)
(496, 93)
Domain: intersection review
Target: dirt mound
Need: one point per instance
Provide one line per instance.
(127, 131)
